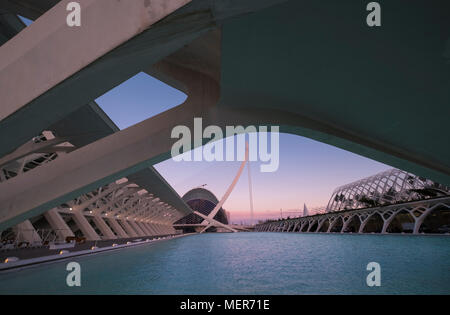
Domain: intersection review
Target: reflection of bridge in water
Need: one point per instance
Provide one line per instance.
(390, 202)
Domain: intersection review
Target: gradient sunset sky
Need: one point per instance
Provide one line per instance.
(308, 172)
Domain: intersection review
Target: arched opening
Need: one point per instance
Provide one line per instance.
(403, 222)
(305, 228)
(353, 225)
(325, 226)
(94, 226)
(374, 225)
(314, 226)
(337, 225)
(437, 221)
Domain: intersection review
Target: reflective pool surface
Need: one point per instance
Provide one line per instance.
(252, 263)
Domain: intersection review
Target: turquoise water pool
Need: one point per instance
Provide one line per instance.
(252, 263)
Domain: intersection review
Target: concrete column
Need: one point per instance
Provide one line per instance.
(160, 229)
(108, 234)
(143, 228)
(165, 229)
(346, 223)
(136, 228)
(171, 229)
(151, 228)
(128, 228)
(387, 223)
(418, 221)
(85, 227)
(363, 224)
(145, 224)
(117, 228)
(332, 224)
(26, 233)
(58, 224)
(302, 226)
(319, 225)
(147, 228)
(291, 225)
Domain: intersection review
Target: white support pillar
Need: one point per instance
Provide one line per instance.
(47, 53)
(26, 233)
(319, 225)
(303, 225)
(347, 222)
(85, 227)
(161, 229)
(150, 228)
(171, 229)
(108, 234)
(332, 224)
(387, 222)
(364, 222)
(117, 228)
(130, 231)
(143, 228)
(165, 229)
(157, 229)
(58, 224)
(136, 228)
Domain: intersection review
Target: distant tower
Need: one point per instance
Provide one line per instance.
(305, 211)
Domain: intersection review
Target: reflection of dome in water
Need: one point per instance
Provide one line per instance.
(203, 201)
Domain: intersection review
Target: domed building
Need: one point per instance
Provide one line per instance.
(203, 201)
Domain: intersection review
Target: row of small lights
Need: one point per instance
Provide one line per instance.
(117, 216)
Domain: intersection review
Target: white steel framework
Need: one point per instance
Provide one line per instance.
(386, 188)
(120, 209)
(418, 211)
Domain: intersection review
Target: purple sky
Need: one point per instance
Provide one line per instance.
(308, 173)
